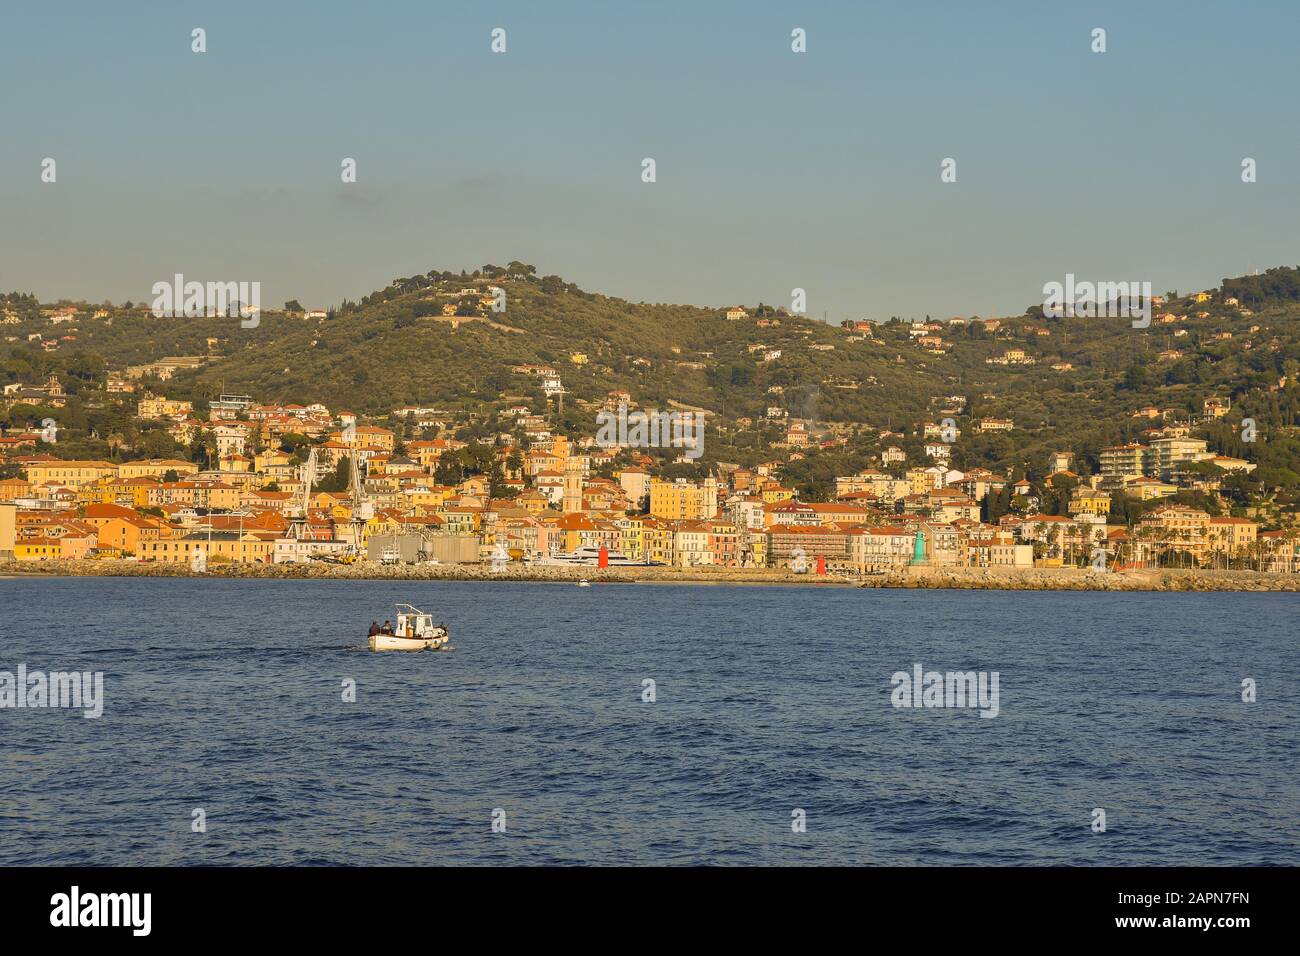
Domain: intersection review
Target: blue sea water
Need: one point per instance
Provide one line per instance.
(227, 695)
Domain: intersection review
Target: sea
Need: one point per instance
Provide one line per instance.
(245, 722)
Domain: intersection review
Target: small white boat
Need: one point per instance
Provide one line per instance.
(414, 631)
(584, 583)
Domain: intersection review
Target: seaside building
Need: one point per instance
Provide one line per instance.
(1167, 456)
(8, 528)
(682, 500)
(1120, 463)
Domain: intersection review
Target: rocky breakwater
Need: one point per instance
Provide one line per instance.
(1080, 579)
(311, 570)
(1007, 579)
(420, 572)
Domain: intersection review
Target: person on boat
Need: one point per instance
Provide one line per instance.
(374, 628)
(387, 628)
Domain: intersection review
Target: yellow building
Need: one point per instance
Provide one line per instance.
(71, 473)
(1166, 455)
(126, 534)
(458, 520)
(13, 488)
(384, 522)
(156, 468)
(633, 540)
(8, 528)
(683, 500)
(38, 549)
(429, 497)
(1144, 489)
(657, 541)
(367, 436)
(920, 481)
(217, 546)
(1120, 463)
(1088, 501)
(236, 464)
(1232, 535)
(428, 451)
(273, 462)
(129, 492)
(162, 408)
(214, 495)
(1172, 529)
(331, 501)
(774, 494)
(532, 501)
(846, 485)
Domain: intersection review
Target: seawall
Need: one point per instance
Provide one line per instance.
(1011, 579)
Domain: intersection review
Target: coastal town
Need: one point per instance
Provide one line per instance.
(293, 484)
(518, 421)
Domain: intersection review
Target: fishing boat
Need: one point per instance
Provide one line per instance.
(584, 583)
(414, 631)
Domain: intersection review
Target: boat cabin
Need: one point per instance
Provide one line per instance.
(414, 623)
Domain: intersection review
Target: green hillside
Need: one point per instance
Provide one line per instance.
(395, 347)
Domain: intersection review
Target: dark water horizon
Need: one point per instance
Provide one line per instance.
(227, 696)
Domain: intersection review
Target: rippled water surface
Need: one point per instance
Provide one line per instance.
(227, 696)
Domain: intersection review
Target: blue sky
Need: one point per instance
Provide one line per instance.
(775, 170)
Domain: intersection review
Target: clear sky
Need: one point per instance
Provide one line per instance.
(775, 170)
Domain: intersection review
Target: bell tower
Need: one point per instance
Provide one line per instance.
(572, 485)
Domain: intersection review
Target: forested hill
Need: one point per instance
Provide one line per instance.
(1078, 385)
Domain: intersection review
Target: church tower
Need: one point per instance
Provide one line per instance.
(572, 485)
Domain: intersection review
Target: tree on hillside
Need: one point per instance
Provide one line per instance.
(339, 478)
